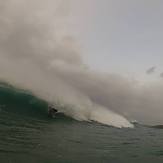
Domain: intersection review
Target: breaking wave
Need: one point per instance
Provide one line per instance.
(38, 55)
(24, 103)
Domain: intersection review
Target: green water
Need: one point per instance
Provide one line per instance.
(27, 135)
(24, 139)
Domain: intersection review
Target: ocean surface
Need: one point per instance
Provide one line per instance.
(27, 135)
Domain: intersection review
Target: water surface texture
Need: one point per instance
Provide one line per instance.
(28, 135)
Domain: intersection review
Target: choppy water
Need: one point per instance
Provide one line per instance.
(28, 135)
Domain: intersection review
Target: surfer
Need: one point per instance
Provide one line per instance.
(52, 111)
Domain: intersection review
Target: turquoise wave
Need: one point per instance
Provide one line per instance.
(21, 102)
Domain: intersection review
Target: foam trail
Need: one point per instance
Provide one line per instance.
(105, 116)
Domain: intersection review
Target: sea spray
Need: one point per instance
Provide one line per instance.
(39, 55)
(35, 57)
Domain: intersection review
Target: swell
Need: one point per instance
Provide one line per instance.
(24, 103)
(21, 102)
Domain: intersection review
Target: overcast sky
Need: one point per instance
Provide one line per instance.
(122, 36)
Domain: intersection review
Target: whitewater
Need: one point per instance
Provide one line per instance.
(38, 55)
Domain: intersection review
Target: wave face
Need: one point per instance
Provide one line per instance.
(25, 104)
(21, 102)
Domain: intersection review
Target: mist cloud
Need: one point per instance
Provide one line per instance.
(37, 54)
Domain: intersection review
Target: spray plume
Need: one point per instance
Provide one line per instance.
(36, 54)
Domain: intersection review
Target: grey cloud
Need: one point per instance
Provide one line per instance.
(151, 70)
(161, 75)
